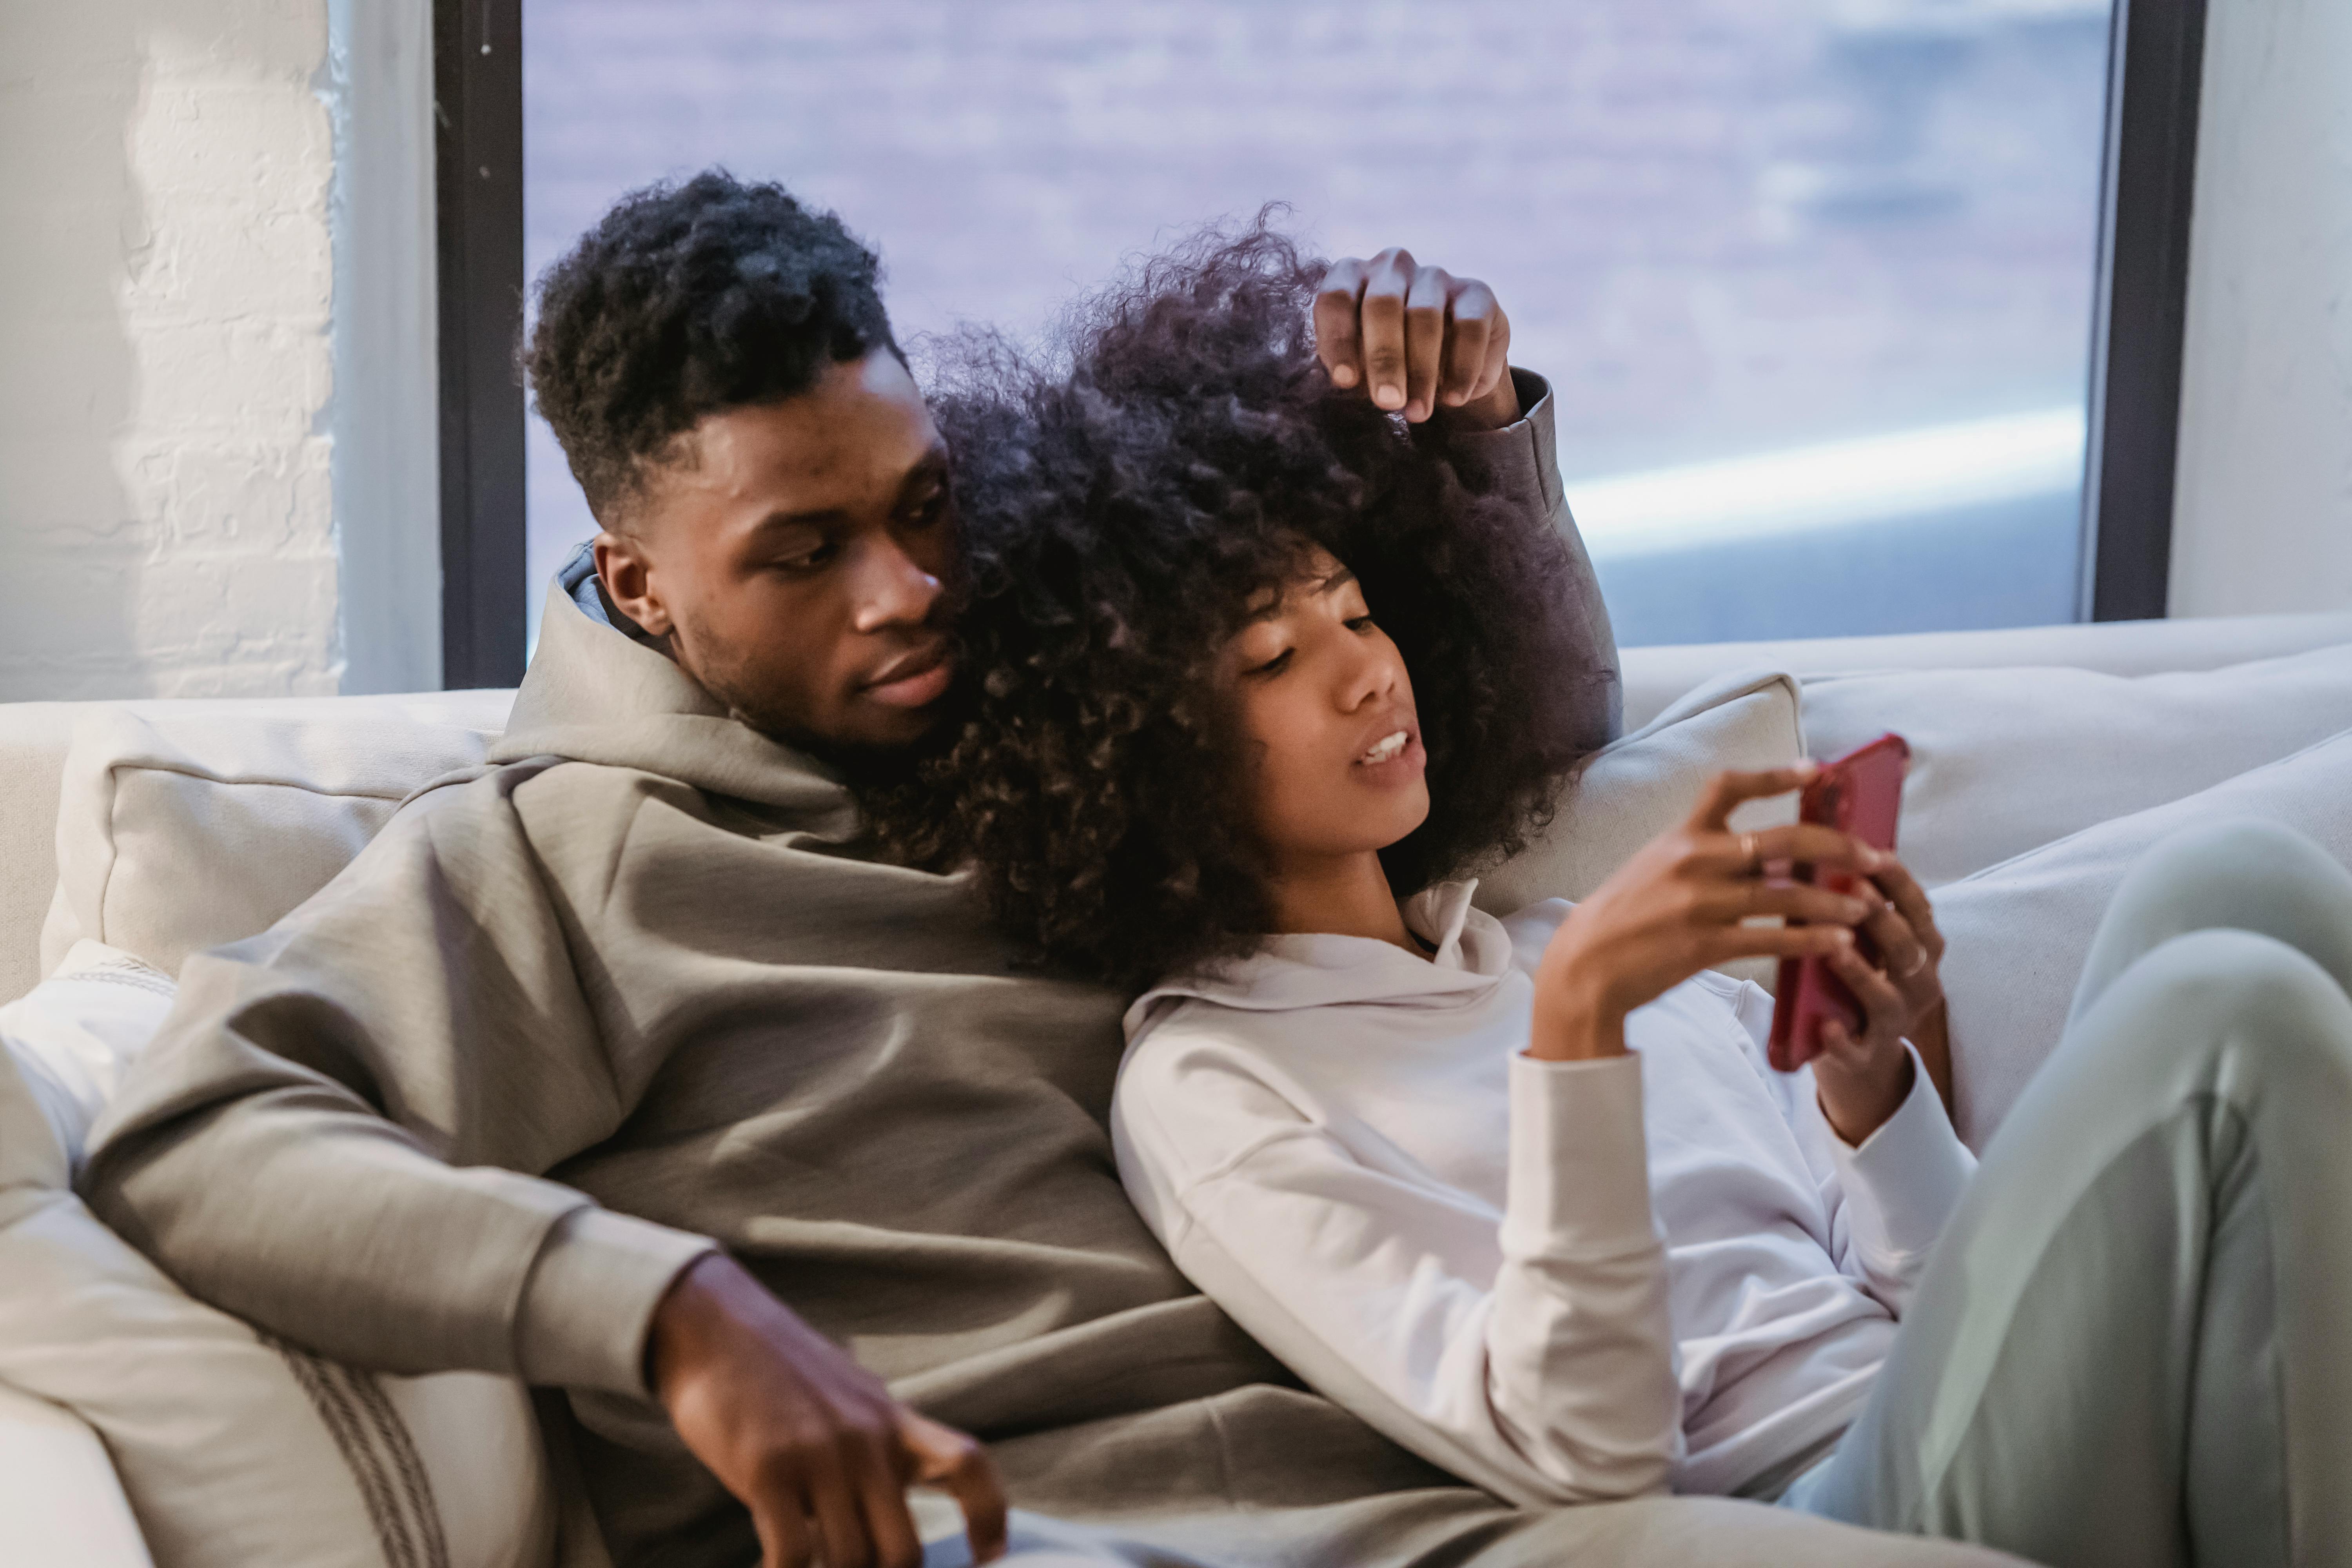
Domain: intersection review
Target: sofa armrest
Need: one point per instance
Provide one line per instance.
(61, 1504)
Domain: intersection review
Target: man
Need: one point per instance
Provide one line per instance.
(620, 1066)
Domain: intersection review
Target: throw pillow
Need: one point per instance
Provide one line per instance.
(176, 833)
(1640, 785)
(232, 1448)
(2004, 759)
(2017, 934)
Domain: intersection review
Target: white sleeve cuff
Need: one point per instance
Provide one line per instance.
(1579, 1173)
(1905, 1179)
(589, 1301)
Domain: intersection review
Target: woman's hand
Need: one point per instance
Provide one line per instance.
(1862, 1078)
(1677, 906)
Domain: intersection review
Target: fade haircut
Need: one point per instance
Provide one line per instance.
(686, 299)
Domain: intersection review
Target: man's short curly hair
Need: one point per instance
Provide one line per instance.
(688, 300)
(1124, 497)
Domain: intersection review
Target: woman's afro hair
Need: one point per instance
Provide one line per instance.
(1124, 498)
(688, 300)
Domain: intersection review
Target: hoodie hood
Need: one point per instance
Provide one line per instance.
(593, 694)
(1472, 954)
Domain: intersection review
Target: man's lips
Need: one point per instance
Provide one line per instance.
(912, 681)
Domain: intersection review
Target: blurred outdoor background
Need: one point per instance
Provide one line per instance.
(1812, 279)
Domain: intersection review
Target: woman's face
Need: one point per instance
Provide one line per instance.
(1324, 698)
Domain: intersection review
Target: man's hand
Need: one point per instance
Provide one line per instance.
(810, 1441)
(1416, 339)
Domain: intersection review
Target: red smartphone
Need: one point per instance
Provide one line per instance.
(1861, 793)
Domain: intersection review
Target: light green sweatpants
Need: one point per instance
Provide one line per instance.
(2134, 1343)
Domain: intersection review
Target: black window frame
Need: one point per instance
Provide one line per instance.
(2148, 190)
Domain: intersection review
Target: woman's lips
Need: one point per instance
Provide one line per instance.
(1395, 758)
(917, 688)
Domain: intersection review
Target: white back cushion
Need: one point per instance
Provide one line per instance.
(1640, 785)
(2004, 759)
(181, 832)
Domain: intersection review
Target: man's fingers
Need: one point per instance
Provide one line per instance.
(833, 1499)
(955, 1464)
(1380, 321)
(1498, 355)
(782, 1524)
(1470, 325)
(888, 1524)
(1729, 790)
(1338, 342)
(1425, 340)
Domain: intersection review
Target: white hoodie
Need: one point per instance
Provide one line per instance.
(1344, 1145)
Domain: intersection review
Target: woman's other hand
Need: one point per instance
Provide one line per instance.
(1680, 906)
(1864, 1077)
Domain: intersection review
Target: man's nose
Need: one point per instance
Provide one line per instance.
(893, 589)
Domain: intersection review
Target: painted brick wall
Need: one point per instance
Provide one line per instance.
(165, 361)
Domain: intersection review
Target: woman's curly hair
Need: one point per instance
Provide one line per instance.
(1123, 499)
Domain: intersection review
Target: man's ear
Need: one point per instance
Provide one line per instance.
(627, 577)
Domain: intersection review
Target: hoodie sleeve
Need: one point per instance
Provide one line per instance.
(336, 1133)
(1535, 1359)
(1888, 1197)
(1520, 462)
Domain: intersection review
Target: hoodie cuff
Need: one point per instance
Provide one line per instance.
(588, 1302)
(1579, 1173)
(1517, 460)
(1905, 1179)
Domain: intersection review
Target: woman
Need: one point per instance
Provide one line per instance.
(1261, 683)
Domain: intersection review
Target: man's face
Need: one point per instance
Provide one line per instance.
(794, 557)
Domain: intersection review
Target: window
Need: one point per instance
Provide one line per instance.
(1816, 282)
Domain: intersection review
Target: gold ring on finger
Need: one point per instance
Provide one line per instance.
(1750, 854)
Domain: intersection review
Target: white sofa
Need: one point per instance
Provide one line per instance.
(61, 1504)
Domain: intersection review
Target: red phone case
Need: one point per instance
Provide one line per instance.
(1861, 793)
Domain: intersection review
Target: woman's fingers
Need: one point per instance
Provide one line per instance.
(1727, 943)
(1729, 790)
(1882, 1002)
(1747, 898)
(1903, 890)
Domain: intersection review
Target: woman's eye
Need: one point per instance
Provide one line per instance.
(1274, 666)
(1361, 624)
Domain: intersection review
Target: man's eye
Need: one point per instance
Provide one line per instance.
(810, 560)
(934, 506)
(1274, 666)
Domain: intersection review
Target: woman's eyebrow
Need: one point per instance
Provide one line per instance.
(1338, 579)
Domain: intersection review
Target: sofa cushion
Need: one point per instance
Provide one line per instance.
(1640, 785)
(2017, 934)
(232, 1448)
(177, 832)
(2004, 759)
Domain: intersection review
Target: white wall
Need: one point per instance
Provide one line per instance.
(172, 441)
(2263, 510)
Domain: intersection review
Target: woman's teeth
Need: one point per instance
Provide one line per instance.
(1385, 750)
